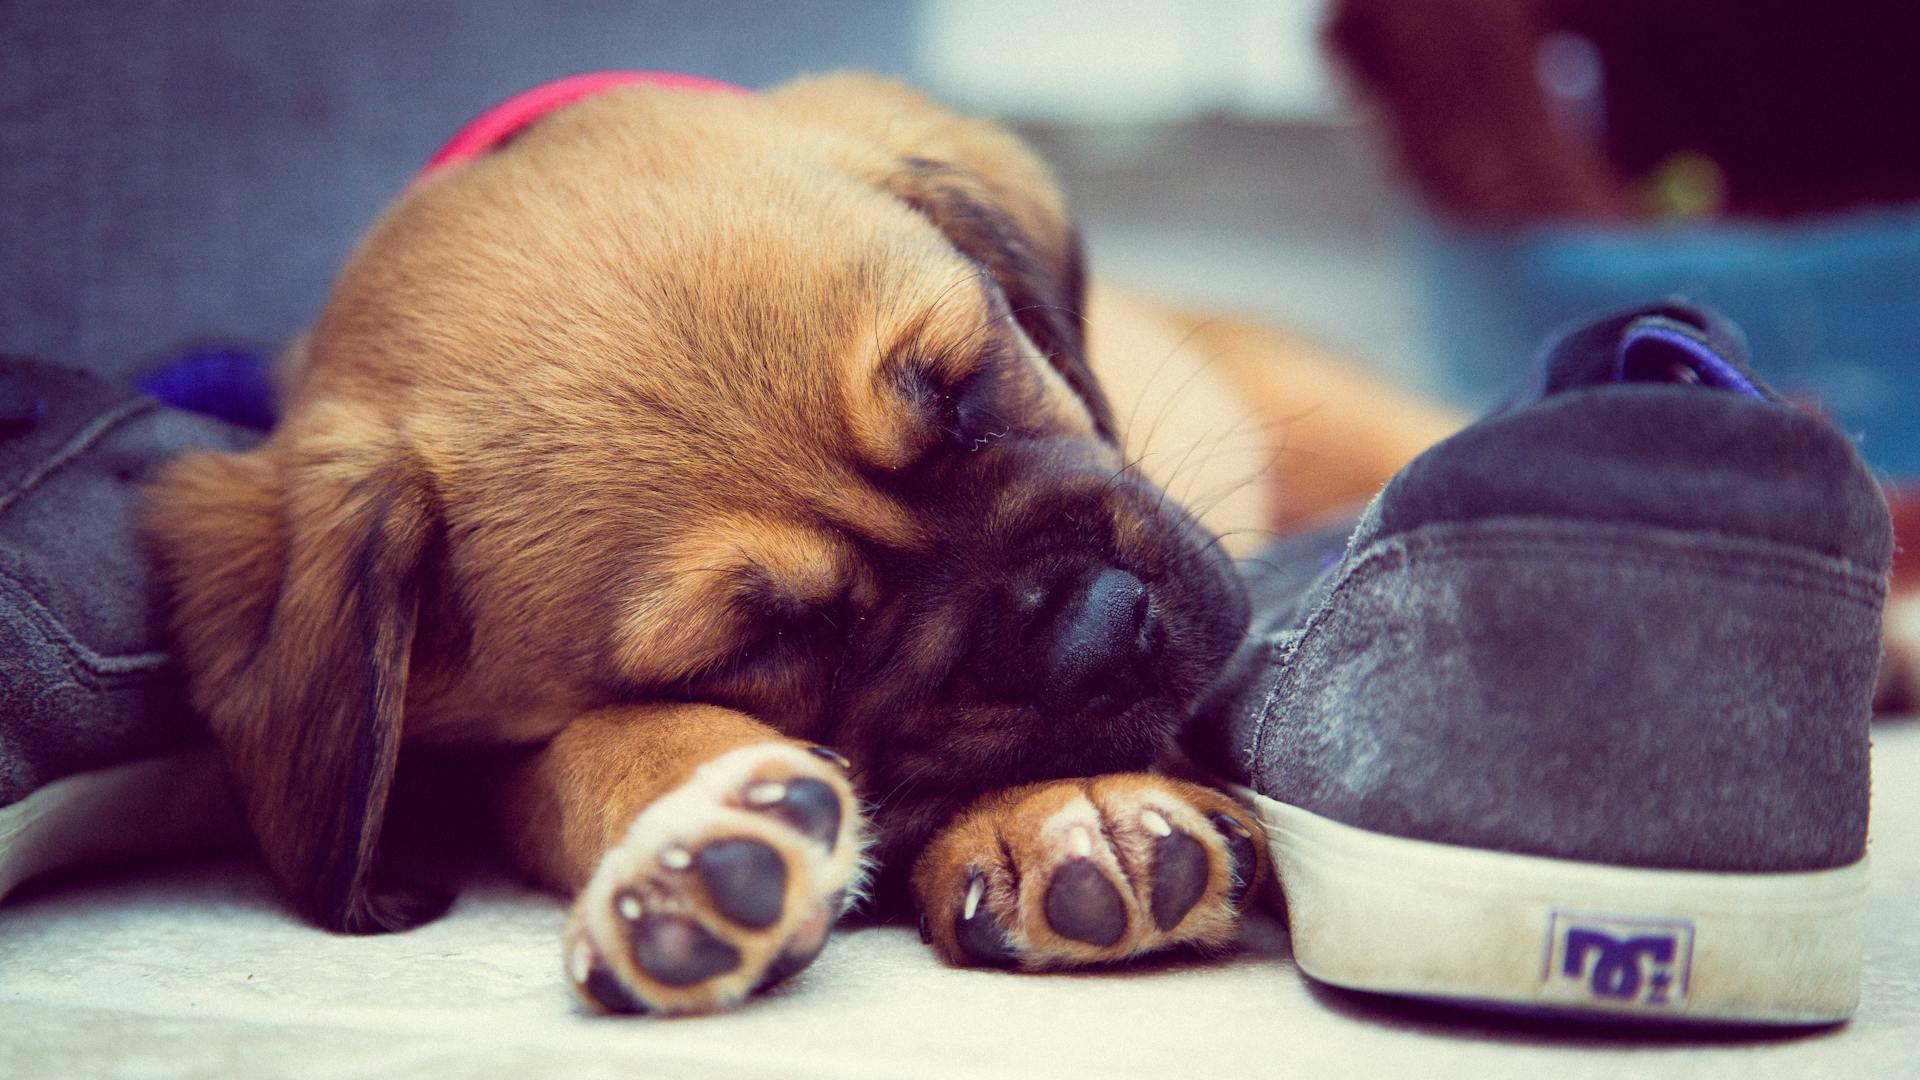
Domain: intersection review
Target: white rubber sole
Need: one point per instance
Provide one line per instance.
(1392, 915)
(155, 806)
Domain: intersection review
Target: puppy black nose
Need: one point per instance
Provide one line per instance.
(1098, 643)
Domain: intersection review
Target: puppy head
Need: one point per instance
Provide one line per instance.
(776, 402)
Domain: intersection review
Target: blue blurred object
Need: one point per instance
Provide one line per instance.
(226, 382)
(1830, 307)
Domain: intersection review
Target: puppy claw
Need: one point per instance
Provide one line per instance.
(828, 754)
(1246, 860)
(1229, 824)
(976, 888)
(979, 935)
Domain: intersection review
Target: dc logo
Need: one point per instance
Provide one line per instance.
(1622, 959)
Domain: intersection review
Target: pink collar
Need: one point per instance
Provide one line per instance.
(493, 128)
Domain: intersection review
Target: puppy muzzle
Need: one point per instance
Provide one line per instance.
(1082, 640)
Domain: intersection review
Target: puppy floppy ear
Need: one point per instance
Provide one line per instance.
(1044, 282)
(296, 572)
(991, 197)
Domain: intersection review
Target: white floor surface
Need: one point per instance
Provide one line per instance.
(201, 972)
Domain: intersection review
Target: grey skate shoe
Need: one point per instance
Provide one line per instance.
(1577, 717)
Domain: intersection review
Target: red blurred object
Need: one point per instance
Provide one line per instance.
(1516, 111)
(1904, 501)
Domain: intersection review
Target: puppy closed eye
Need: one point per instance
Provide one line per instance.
(779, 632)
(963, 414)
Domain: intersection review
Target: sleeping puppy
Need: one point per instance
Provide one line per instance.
(745, 462)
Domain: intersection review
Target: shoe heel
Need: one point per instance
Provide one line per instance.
(1393, 915)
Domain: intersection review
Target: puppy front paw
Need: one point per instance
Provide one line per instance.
(726, 885)
(1076, 872)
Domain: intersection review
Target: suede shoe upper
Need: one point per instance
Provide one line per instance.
(1633, 617)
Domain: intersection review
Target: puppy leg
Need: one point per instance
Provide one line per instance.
(1087, 871)
(709, 855)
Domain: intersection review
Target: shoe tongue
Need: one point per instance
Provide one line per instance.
(1659, 349)
(1666, 343)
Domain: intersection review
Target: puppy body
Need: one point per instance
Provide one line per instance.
(689, 433)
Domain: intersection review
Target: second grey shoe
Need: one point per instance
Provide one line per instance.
(100, 753)
(1577, 717)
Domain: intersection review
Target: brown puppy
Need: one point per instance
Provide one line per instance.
(688, 436)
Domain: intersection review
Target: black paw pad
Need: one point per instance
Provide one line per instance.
(981, 938)
(1240, 845)
(1082, 904)
(812, 807)
(746, 879)
(1179, 878)
(676, 951)
(609, 993)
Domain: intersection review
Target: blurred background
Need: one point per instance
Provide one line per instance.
(1429, 185)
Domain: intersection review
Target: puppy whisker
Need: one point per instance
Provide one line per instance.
(1208, 361)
